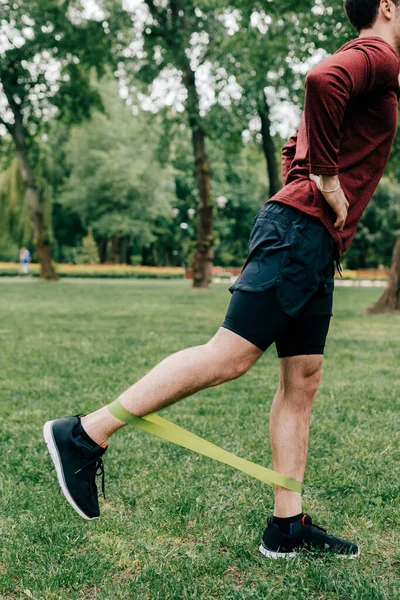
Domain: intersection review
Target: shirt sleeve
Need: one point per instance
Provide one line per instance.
(288, 154)
(329, 88)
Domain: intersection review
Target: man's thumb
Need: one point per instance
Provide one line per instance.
(316, 179)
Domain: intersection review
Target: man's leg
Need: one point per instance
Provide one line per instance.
(225, 357)
(290, 530)
(300, 377)
(76, 445)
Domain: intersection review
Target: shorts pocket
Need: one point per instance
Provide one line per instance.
(269, 241)
(260, 272)
(269, 229)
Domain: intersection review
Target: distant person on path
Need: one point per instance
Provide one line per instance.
(24, 260)
(331, 168)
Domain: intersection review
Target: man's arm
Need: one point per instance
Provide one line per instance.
(329, 186)
(329, 88)
(288, 154)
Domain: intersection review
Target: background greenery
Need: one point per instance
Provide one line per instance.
(107, 119)
(175, 525)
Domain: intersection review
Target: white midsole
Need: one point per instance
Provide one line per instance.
(276, 555)
(55, 456)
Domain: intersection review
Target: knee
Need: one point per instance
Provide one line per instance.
(232, 368)
(228, 366)
(306, 381)
(311, 381)
(237, 367)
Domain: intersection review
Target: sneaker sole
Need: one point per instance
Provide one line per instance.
(276, 555)
(55, 457)
(287, 555)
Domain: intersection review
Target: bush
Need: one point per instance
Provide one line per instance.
(100, 271)
(89, 254)
(378, 231)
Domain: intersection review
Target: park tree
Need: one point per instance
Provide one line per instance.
(239, 187)
(259, 50)
(15, 229)
(116, 185)
(189, 37)
(89, 254)
(265, 51)
(168, 33)
(390, 299)
(48, 50)
(378, 230)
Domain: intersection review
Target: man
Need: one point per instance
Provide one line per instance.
(331, 168)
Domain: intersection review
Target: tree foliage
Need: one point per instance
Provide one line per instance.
(231, 76)
(48, 49)
(15, 228)
(378, 230)
(88, 253)
(48, 52)
(116, 185)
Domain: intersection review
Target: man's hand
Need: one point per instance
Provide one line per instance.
(336, 200)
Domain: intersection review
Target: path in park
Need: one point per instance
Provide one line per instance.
(365, 283)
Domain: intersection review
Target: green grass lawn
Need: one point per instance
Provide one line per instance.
(176, 525)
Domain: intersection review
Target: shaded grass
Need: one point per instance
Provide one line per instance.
(176, 525)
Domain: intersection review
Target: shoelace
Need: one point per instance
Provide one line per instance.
(303, 522)
(318, 527)
(98, 471)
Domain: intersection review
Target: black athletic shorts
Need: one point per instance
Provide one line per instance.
(285, 291)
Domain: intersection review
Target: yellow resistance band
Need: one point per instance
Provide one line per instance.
(173, 433)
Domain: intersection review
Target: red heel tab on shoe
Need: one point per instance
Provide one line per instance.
(303, 519)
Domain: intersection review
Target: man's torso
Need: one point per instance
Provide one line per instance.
(366, 136)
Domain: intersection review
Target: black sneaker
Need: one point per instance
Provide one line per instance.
(77, 463)
(303, 535)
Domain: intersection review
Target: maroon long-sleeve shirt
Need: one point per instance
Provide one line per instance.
(347, 129)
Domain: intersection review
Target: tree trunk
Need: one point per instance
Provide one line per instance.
(114, 250)
(269, 147)
(390, 299)
(103, 245)
(154, 254)
(204, 254)
(35, 201)
(124, 251)
(175, 31)
(147, 256)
